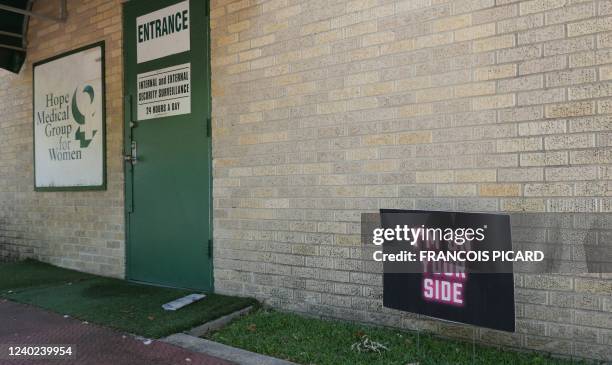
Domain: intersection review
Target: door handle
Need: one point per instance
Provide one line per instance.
(133, 157)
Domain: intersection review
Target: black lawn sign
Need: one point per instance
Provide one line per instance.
(477, 293)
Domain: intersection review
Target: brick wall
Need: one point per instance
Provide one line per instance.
(82, 230)
(326, 109)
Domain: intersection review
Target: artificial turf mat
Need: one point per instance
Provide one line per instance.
(130, 307)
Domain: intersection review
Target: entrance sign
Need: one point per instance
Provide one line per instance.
(163, 32)
(164, 92)
(477, 293)
(69, 120)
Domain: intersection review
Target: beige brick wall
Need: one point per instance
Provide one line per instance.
(326, 109)
(83, 230)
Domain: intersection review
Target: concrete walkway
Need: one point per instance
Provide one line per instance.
(229, 353)
(95, 345)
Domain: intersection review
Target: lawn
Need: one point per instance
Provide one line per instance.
(313, 341)
(130, 307)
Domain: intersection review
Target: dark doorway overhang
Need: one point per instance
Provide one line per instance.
(14, 18)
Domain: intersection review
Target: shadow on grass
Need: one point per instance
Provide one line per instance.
(29, 273)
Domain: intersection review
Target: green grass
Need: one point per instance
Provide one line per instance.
(126, 306)
(313, 341)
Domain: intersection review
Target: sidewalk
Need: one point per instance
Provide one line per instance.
(95, 345)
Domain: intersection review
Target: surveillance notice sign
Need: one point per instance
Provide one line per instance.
(164, 92)
(470, 290)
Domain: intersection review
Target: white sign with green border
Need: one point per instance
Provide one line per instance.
(69, 120)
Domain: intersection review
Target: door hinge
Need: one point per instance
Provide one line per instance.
(210, 249)
(208, 127)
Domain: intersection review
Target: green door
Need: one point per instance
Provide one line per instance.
(167, 143)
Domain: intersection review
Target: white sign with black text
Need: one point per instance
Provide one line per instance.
(163, 32)
(164, 92)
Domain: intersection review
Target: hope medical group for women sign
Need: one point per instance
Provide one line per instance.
(69, 120)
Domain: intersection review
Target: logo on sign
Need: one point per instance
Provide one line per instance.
(80, 118)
